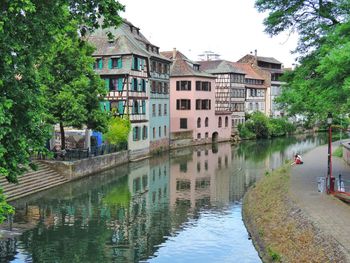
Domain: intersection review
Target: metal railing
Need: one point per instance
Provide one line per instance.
(78, 154)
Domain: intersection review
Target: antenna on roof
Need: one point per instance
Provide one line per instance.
(209, 55)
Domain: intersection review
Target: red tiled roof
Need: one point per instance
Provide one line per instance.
(249, 71)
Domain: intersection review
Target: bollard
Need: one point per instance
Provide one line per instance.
(331, 186)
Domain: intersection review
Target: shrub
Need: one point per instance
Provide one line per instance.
(118, 130)
(245, 133)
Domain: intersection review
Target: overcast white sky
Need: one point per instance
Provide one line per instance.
(231, 28)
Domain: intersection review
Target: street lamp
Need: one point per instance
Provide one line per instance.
(330, 178)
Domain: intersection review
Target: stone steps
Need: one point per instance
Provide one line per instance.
(32, 182)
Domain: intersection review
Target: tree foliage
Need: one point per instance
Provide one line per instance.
(321, 82)
(118, 130)
(311, 19)
(30, 33)
(259, 126)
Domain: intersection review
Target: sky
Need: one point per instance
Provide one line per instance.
(230, 28)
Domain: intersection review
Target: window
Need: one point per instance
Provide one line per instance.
(134, 84)
(183, 123)
(165, 109)
(160, 131)
(183, 85)
(136, 133)
(198, 122)
(98, 63)
(115, 63)
(143, 85)
(153, 109)
(116, 84)
(206, 165)
(154, 133)
(206, 122)
(198, 135)
(144, 132)
(226, 121)
(203, 104)
(166, 88)
(250, 106)
(203, 85)
(206, 135)
(159, 69)
(183, 104)
(257, 106)
(198, 166)
(165, 130)
(135, 107)
(153, 66)
(135, 63)
(220, 122)
(160, 110)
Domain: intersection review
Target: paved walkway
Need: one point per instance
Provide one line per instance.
(328, 213)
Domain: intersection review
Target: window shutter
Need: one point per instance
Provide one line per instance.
(133, 63)
(145, 135)
(132, 84)
(100, 64)
(108, 106)
(143, 85)
(102, 105)
(135, 84)
(143, 107)
(107, 84)
(134, 133)
(120, 84)
(110, 63)
(120, 63)
(120, 107)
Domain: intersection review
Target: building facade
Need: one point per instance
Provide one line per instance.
(275, 68)
(126, 65)
(256, 85)
(229, 89)
(193, 105)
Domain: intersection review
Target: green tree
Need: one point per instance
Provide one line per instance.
(258, 124)
(312, 19)
(118, 130)
(72, 85)
(29, 32)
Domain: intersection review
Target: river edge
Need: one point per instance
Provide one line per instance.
(280, 230)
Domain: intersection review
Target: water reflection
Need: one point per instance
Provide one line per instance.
(186, 203)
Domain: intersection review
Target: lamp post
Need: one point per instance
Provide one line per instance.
(330, 179)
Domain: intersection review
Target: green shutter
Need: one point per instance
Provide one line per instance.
(108, 106)
(143, 105)
(120, 84)
(110, 63)
(100, 64)
(135, 85)
(146, 132)
(132, 84)
(132, 63)
(143, 85)
(107, 84)
(121, 107)
(102, 104)
(134, 131)
(133, 108)
(120, 63)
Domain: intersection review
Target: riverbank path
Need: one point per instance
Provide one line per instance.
(328, 213)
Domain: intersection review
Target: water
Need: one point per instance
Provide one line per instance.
(180, 207)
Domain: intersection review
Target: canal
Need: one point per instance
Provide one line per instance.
(184, 206)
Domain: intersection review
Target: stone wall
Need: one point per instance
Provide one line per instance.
(76, 169)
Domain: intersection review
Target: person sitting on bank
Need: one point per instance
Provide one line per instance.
(298, 159)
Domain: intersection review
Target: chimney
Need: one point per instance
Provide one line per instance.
(256, 54)
(174, 53)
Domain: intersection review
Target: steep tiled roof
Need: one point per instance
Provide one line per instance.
(127, 40)
(219, 66)
(249, 71)
(182, 66)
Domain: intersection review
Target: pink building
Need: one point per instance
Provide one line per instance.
(192, 104)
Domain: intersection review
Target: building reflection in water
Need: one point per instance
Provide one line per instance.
(125, 214)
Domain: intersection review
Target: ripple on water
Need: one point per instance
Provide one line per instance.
(218, 235)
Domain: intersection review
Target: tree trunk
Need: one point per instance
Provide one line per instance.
(63, 137)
